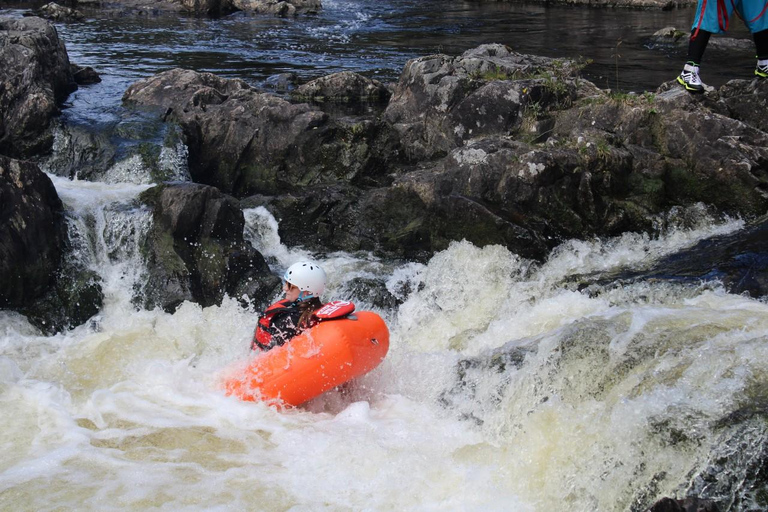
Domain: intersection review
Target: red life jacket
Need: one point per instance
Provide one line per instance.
(263, 336)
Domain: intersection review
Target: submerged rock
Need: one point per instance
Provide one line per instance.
(675, 37)
(84, 75)
(36, 78)
(684, 505)
(738, 260)
(195, 250)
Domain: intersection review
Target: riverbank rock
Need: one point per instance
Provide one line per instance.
(662, 5)
(195, 250)
(491, 146)
(36, 78)
(672, 37)
(84, 75)
(245, 142)
(344, 87)
(440, 102)
(56, 12)
(32, 232)
(205, 7)
(277, 7)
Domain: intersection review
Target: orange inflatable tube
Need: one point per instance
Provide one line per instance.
(329, 354)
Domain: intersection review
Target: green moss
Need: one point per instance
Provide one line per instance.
(211, 263)
(255, 177)
(165, 251)
(151, 196)
(647, 191)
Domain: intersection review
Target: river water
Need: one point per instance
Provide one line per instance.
(607, 398)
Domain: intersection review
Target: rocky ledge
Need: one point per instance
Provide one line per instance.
(491, 146)
(156, 7)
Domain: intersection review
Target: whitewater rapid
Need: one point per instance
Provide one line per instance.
(506, 388)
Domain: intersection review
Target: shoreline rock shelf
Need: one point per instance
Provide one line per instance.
(491, 146)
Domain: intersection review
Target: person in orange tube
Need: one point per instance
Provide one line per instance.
(303, 283)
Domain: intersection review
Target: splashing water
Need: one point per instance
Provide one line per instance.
(505, 388)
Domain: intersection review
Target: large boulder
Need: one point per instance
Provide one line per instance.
(56, 12)
(196, 251)
(277, 7)
(679, 150)
(743, 100)
(387, 221)
(244, 142)
(37, 276)
(343, 87)
(36, 78)
(492, 146)
(32, 233)
(441, 102)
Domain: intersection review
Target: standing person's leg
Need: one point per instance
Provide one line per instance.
(712, 17)
(756, 18)
(689, 78)
(761, 46)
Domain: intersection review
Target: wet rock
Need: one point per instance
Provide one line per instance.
(685, 505)
(440, 102)
(677, 149)
(282, 82)
(36, 79)
(344, 87)
(739, 261)
(75, 296)
(32, 232)
(84, 75)
(277, 7)
(80, 153)
(56, 12)
(371, 293)
(195, 250)
(675, 37)
(744, 100)
(388, 221)
(244, 142)
(662, 5)
(38, 276)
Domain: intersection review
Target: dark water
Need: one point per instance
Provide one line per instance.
(375, 38)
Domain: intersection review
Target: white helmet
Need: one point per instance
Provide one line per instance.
(307, 277)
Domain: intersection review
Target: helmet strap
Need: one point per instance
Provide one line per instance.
(304, 296)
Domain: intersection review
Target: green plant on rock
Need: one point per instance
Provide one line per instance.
(603, 149)
(530, 115)
(617, 56)
(497, 73)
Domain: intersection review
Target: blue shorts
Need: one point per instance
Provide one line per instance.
(714, 15)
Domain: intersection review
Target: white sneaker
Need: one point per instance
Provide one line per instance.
(689, 78)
